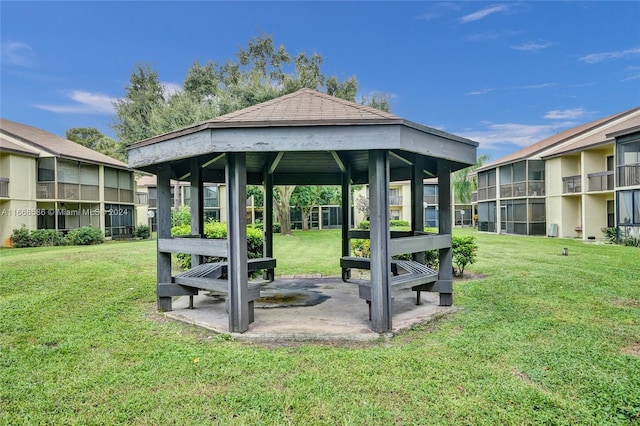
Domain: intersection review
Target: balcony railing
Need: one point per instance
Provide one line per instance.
(142, 198)
(111, 194)
(89, 192)
(153, 202)
(46, 190)
(601, 181)
(4, 187)
(629, 175)
(126, 196)
(395, 200)
(430, 199)
(535, 188)
(571, 185)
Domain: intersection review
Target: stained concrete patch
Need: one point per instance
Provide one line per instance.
(327, 310)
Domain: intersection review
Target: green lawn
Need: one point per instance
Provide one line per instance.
(542, 339)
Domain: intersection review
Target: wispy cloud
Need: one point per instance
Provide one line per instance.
(635, 73)
(170, 89)
(532, 47)
(566, 114)
(501, 135)
(530, 87)
(17, 53)
(481, 14)
(438, 10)
(594, 58)
(84, 103)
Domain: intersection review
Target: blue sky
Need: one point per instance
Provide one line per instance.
(506, 74)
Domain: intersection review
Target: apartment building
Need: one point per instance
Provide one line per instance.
(49, 182)
(566, 185)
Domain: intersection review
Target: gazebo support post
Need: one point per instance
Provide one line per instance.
(236, 178)
(164, 231)
(346, 217)
(268, 219)
(381, 302)
(196, 206)
(417, 202)
(445, 270)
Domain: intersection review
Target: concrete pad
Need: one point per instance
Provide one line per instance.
(334, 312)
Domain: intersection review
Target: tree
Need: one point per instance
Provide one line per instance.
(464, 184)
(281, 204)
(94, 139)
(307, 197)
(259, 72)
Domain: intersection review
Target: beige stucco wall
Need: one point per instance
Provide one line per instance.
(595, 214)
(20, 208)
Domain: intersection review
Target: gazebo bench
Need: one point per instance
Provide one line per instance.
(213, 277)
(406, 274)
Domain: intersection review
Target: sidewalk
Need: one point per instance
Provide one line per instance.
(308, 309)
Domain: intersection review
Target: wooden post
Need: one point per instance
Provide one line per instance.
(381, 303)
(236, 179)
(445, 271)
(196, 207)
(164, 230)
(346, 217)
(267, 217)
(417, 201)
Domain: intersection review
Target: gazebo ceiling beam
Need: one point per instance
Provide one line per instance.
(339, 161)
(307, 179)
(405, 157)
(275, 161)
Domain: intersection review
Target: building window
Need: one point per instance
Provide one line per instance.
(629, 163)
(430, 194)
(487, 185)
(487, 216)
(118, 220)
(431, 217)
(629, 207)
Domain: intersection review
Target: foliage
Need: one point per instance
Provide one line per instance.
(464, 181)
(464, 252)
(142, 232)
(94, 139)
(257, 193)
(534, 342)
(48, 237)
(218, 230)
(393, 223)
(307, 197)
(361, 203)
(379, 101)
(181, 216)
(21, 237)
(84, 236)
(260, 226)
(622, 236)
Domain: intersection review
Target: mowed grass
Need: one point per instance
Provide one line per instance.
(541, 339)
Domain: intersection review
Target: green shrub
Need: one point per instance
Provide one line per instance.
(399, 223)
(218, 230)
(84, 236)
(464, 252)
(47, 237)
(182, 216)
(142, 232)
(21, 237)
(394, 223)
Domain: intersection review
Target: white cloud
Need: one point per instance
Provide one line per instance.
(594, 58)
(481, 14)
(170, 89)
(533, 86)
(566, 114)
(480, 92)
(438, 10)
(17, 53)
(635, 73)
(85, 103)
(532, 47)
(499, 135)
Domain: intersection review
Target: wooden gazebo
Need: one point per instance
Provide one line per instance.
(304, 138)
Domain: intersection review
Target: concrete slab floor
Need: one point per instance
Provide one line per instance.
(308, 309)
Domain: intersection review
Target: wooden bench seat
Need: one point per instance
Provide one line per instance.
(406, 274)
(213, 277)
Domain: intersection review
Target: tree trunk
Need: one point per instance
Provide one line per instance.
(281, 205)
